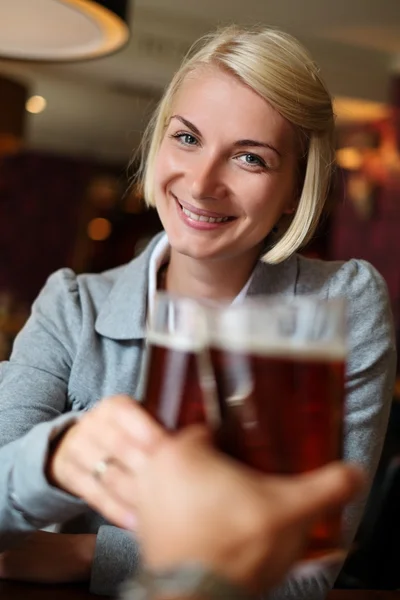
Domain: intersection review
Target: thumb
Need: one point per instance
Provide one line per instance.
(328, 488)
(195, 435)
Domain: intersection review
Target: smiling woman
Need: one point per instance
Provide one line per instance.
(267, 85)
(238, 166)
(237, 161)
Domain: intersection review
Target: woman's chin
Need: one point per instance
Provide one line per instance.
(195, 251)
(201, 245)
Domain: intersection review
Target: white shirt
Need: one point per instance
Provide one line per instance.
(160, 256)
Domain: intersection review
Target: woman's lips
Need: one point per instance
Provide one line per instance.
(200, 221)
(196, 213)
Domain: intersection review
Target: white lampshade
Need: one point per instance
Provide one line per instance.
(61, 30)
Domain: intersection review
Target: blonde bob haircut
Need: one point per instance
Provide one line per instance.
(277, 67)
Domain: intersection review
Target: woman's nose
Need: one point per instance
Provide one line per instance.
(208, 180)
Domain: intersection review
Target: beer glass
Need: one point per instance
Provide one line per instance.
(180, 387)
(279, 368)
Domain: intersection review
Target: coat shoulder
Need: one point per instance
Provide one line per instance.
(350, 278)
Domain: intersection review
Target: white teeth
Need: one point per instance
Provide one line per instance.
(202, 218)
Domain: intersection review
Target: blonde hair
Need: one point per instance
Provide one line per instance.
(280, 70)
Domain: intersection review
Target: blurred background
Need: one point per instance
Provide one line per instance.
(68, 129)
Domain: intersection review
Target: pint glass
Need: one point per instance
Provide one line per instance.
(279, 368)
(180, 387)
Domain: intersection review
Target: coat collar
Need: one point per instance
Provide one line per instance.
(280, 279)
(123, 313)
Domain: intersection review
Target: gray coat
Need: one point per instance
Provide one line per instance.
(85, 340)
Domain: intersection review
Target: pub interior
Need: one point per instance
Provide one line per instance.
(69, 126)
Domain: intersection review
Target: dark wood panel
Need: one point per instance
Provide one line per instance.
(21, 591)
(363, 595)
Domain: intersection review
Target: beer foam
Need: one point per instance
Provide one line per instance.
(296, 349)
(178, 342)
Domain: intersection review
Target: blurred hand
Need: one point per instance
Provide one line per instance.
(194, 503)
(119, 432)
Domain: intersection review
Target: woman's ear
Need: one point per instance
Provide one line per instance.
(289, 210)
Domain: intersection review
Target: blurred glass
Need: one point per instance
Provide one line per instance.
(179, 385)
(279, 367)
(267, 375)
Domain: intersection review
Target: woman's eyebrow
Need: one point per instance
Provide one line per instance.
(256, 144)
(238, 144)
(188, 124)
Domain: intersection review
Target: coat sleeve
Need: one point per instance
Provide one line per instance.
(371, 373)
(369, 391)
(117, 557)
(33, 410)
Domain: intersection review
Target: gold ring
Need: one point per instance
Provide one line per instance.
(101, 467)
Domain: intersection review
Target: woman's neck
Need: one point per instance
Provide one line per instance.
(211, 279)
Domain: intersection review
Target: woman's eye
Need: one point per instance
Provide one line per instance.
(252, 160)
(186, 138)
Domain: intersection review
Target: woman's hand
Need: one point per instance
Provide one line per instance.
(195, 504)
(96, 459)
(45, 557)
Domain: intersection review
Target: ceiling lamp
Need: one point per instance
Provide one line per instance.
(62, 30)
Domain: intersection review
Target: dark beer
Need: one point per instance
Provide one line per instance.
(174, 395)
(283, 414)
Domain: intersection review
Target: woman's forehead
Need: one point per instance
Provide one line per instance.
(214, 99)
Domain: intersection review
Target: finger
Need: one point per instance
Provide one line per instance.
(325, 489)
(134, 420)
(190, 446)
(111, 492)
(195, 435)
(100, 498)
(114, 469)
(118, 483)
(117, 445)
(105, 436)
(122, 429)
